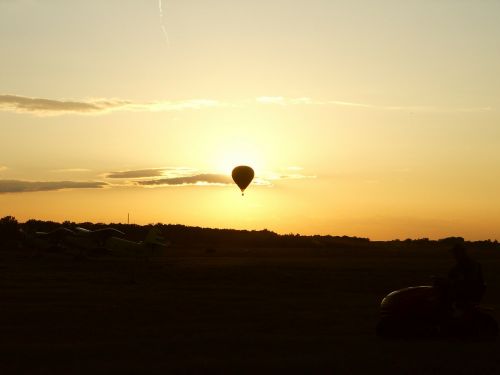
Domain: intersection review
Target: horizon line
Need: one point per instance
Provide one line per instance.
(429, 239)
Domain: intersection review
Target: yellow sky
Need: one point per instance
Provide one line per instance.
(376, 118)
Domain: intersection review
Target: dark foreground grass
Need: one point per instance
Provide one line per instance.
(236, 311)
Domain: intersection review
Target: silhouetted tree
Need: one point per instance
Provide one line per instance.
(8, 228)
(182, 235)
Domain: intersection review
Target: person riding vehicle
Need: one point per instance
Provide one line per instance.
(449, 307)
(466, 280)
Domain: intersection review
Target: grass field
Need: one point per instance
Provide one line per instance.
(234, 310)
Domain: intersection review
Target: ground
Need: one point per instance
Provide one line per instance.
(228, 310)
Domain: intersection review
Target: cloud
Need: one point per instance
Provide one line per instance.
(42, 106)
(71, 170)
(186, 176)
(198, 179)
(281, 100)
(52, 107)
(289, 173)
(18, 186)
(47, 106)
(169, 172)
(192, 104)
(270, 178)
(293, 176)
(140, 173)
(285, 101)
(3, 168)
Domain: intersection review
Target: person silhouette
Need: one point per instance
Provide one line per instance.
(465, 280)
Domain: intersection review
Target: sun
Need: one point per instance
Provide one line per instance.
(239, 153)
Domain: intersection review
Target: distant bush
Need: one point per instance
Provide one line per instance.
(451, 241)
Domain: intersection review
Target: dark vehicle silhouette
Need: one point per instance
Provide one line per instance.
(421, 311)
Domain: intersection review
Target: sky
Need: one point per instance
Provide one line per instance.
(375, 119)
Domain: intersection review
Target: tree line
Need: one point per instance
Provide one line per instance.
(182, 235)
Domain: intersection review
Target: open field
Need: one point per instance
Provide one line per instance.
(238, 310)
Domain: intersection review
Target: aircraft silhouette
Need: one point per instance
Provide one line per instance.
(100, 241)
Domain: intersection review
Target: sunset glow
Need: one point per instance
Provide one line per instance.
(374, 119)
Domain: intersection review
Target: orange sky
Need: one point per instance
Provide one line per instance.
(377, 119)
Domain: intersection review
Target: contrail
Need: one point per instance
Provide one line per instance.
(162, 22)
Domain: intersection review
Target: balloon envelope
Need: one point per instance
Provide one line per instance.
(242, 176)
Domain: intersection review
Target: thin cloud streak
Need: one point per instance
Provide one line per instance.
(51, 107)
(47, 106)
(19, 186)
(217, 179)
(152, 177)
(294, 176)
(71, 170)
(54, 107)
(180, 176)
(151, 172)
(162, 22)
(284, 101)
(199, 179)
(287, 176)
(140, 173)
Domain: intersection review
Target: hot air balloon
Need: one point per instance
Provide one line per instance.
(242, 176)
